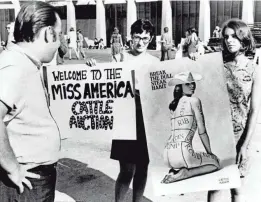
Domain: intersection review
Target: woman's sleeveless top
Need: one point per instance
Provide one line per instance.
(239, 80)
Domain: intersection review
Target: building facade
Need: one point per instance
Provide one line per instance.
(97, 18)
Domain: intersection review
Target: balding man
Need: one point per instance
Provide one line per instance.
(29, 136)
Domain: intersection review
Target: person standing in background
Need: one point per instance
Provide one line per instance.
(10, 31)
(166, 44)
(191, 43)
(116, 43)
(10, 35)
(101, 44)
(62, 50)
(80, 43)
(71, 40)
(217, 32)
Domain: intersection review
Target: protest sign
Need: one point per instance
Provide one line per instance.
(188, 125)
(97, 101)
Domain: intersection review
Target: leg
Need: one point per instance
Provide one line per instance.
(70, 53)
(168, 54)
(185, 173)
(214, 196)
(196, 164)
(44, 188)
(162, 55)
(123, 181)
(76, 52)
(139, 182)
(237, 195)
(58, 59)
(82, 52)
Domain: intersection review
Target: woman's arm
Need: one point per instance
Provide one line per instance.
(121, 41)
(199, 115)
(111, 40)
(253, 114)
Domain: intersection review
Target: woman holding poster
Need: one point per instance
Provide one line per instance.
(243, 80)
(186, 118)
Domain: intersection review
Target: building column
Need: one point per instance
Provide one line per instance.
(100, 21)
(166, 20)
(204, 20)
(71, 19)
(16, 6)
(131, 15)
(248, 11)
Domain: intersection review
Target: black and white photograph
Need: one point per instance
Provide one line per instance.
(130, 100)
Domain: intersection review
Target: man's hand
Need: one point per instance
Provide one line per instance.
(91, 62)
(20, 175)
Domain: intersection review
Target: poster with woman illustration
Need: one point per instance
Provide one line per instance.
(188, 125)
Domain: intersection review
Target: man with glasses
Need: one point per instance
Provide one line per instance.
(133, 155)
(142, 32)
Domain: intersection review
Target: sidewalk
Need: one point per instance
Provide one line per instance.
(88, 157)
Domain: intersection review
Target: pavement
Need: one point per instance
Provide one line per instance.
(87, 174)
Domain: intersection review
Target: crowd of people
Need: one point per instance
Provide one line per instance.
(26, 121)
(73, 43)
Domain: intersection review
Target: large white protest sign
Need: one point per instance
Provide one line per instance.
(188, 125)
(92, 101)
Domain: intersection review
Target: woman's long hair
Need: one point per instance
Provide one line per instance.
(177, 94)
(242, 33)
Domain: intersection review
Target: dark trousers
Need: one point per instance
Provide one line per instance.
(163, 54)
(43, 188)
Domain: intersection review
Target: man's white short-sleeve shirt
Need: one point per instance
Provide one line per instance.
(33, 133)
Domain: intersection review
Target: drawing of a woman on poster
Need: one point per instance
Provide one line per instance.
(187, 118)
